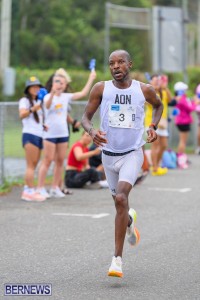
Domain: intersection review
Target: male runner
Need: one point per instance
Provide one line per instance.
(121, 102)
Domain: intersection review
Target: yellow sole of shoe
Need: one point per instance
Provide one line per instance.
(115, 274)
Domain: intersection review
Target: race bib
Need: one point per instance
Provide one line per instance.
(122, 116)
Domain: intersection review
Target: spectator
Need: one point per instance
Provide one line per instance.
(183, 120)
(160, 145)
(31, 114)
(197, 109)
(57, 136)
(78, 171)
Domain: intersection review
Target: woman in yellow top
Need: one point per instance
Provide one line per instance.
(160, 145)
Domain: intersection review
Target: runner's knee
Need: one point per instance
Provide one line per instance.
(121, 201)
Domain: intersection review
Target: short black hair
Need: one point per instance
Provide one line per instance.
(125, 52)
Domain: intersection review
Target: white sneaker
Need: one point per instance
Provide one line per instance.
(116, 267)
(103, 183)
(56, 193)
(132, 231)
(43, 192)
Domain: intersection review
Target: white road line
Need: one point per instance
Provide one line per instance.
(93, 216)
(183, 190)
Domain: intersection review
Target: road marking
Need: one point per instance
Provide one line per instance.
(183, 190)
(93, 216)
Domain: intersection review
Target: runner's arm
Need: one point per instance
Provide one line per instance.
(94, 102)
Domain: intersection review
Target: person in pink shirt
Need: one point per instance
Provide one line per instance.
(183, 120)
(197, 109)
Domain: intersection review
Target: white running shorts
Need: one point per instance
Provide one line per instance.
(122, 168)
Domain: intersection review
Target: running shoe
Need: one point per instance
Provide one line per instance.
(56, 193)
(43, 192)
(115, 269)
(103, 183)
(32, 197)
(132, 231)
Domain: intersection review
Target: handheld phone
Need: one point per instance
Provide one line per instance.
(92, 64)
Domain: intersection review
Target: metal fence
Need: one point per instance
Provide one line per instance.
(12, 162)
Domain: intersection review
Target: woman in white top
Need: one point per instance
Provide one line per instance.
(56, 137)
(31, 114)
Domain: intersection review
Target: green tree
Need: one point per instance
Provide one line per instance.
(69, 32)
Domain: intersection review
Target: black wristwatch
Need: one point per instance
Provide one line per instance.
(154, 126)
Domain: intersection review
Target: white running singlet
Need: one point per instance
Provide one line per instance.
(122, 117)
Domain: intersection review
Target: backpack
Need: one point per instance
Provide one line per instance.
(169, 159)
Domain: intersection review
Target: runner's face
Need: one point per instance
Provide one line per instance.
(119, 66)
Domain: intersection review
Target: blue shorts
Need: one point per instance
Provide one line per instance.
(58, 140)
(28, 138)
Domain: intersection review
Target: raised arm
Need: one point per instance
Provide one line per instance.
(94, 101)
(87, 87)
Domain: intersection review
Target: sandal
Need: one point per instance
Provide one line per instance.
(67, 192)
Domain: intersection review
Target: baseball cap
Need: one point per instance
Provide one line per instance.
(180, 86)
(30, 82)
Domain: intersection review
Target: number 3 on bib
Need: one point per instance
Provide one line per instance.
(121, 116)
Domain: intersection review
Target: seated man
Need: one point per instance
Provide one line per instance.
(78, 171)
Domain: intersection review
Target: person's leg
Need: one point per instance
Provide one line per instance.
(155, 146)
(61, 149)
(183, 137)
(162, 148)
(122, 219)
(49, 154)
(75, 179)
(128, 168)
(32, 154)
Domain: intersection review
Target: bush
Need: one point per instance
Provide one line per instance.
(79, 78)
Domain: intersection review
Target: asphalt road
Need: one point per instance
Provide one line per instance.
(69, 243)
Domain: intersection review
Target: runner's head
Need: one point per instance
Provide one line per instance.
(120, 64)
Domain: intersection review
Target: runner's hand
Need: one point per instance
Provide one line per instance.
(151, 135)
(98, 137)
